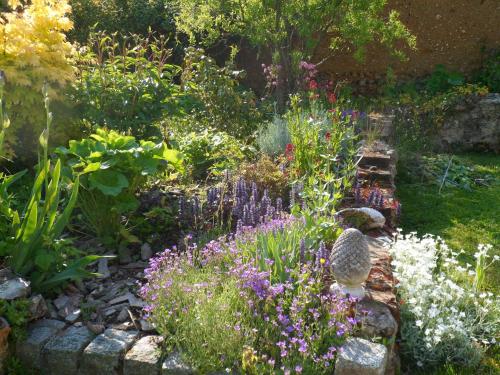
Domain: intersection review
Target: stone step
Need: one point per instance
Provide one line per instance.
(361, 357)
(375, 159)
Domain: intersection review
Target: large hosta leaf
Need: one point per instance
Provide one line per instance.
(109, 182)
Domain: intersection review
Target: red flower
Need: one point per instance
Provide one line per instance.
(289, 151)
(332, 98)
(313, 85)
(328, 136)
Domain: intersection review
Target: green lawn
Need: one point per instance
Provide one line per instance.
(463, 218)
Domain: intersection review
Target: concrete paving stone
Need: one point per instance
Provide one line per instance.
(105, 354)
(39, 333)
(62, 352)
(144, 358)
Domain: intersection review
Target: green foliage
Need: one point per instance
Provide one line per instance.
(274, 136)
(210, 153)
(489, 75)
(111, 168)
(216, 97)
(121, 16)
(447, 171)
(126, 85)
(442, 80)
(274, 24)
(33, 245)
(16, 312)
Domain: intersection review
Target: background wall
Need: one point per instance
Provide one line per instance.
(451, 32)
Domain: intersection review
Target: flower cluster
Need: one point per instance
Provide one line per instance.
(277, 324)
(241, 204)
(271, 73)
(444, 317)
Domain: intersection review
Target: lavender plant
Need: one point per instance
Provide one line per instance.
(255, 297)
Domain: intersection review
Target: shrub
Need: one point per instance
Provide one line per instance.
(111, 168)
(34, 51)
(121, 16)
(219, 101)
(277, 319)
(210, 152)
(267, 175)
(273, 137)
(446, 318)
(126, 85)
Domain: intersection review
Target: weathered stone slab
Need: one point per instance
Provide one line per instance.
(39, 333)
(62, 353)
(12, 286)
(104, 355)
(144, 358)
(361, 357)
(376, 320)
(173, 365)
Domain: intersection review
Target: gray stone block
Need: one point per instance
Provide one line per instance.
(173, 365)
(376, 320)
(361, 357)
(104, 355)
(39, 333)
(144, 358)
(62, 353)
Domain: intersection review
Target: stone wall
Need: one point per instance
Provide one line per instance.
(473, 124)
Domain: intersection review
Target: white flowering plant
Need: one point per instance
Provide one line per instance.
(446, 317)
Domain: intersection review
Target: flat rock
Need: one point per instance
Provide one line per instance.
(62, 353)
(12, 286)
(146, 251)
(61, 302)
(38, 307)
(364, 218)
(376, 320)
(104, 355)
(38, 334)
(144, 358)
(173, 365)
(361, 357)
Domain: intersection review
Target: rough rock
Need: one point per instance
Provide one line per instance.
(173, 365)
(105, 354)
(12, 286)
(62, 353)
(102, 268)
(376, 320)
(144, 358)
(61, 302)
(146, 251)
(29, 351)
(147, 326)
(361, 357)
(363, 218)
(38, 307)
(96, 328)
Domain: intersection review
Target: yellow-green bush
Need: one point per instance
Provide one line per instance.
(34, 50)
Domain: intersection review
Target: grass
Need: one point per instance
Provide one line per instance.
(464, 219)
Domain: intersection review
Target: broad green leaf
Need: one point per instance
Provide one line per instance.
(63, 219)
(92, 167)
(109, 182)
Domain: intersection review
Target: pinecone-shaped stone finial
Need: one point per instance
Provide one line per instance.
(350, 260)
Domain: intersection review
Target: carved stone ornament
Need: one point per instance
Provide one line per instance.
(350, 260)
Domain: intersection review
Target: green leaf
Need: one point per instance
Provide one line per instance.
(44, 259)
(109, 182)
(63, 219)
(92, 167)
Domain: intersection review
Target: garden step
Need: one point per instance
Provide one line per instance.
(144, 358)
(375, 159)
(39, 333)
(63, 352)
(104, 355)
(361, 357)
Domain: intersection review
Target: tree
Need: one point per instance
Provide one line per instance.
(293, 29)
